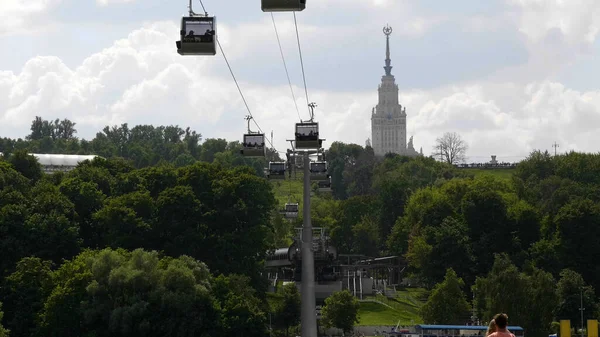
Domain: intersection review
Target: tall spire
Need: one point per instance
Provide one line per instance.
(387, 30)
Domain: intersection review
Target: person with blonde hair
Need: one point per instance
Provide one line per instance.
(491, 328)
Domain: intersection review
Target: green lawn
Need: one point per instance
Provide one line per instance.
(283, 189)
(377, 314)
(499, 173)
(404, 308)
(292, 190)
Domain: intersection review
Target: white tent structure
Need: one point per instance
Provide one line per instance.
(59, 162)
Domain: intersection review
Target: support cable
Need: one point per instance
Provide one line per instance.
(285, 66)
(301, 62)
(238, 86)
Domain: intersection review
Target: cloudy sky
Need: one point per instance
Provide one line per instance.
(508, 75)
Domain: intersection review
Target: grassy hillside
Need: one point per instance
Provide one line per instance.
(289, 187)
(499, 173)
(380, 310)
(292, 188)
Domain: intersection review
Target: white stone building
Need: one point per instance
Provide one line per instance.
(388, 118)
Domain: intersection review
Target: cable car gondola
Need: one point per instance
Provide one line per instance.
(291, 210)
(283, 5)
(307, 133)
(254, 145)
(324, 185)
(307, 136)
(318, 171)
(254, 142)
(198, 35)
(276, 170)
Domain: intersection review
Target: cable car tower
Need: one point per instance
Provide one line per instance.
(198, 34)
(306, 143)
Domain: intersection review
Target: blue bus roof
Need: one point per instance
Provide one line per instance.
(461, 327)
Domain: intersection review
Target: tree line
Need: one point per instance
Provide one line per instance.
(526, 245)
(157, 251)
(143, 145)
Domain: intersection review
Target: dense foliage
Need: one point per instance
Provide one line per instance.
(199, 212)
(143, 145)
(162, 204)
(340, 311)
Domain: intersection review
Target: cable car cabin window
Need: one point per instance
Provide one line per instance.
(307, 131)
(324, 184)
(277, 168)
(291, 208)
(318, 167)
(254, 141)
(198, 30)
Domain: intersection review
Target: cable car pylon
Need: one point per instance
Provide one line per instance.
(307, 142)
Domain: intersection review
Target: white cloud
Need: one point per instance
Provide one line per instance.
(577, 21)
(140, 79)
(544, 112)
(556, 33)
(22, 17)
(110, 2)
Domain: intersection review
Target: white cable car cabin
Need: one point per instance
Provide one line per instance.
(318, 171)
(276, 170)
(324, 185)
(283, 5)
(254, 145)
(291, 210)
(198, 36)
(307, 136)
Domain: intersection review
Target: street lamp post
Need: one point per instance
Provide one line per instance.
(581, 308)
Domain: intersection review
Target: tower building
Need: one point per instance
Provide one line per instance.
(388, 117)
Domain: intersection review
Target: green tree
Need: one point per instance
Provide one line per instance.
(340, 311)
(528, 298)
(241, 310)
(120, 293)
(438, 248)
(366, 237)
(26, 164)
(287, 312)
(3, 332)
(342, 158)
(351, 212)
(577, 228)
(570, 289)
(211, 147)
(447, 303)
(24, 295)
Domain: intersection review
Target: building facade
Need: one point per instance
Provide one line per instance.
(388, 118)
